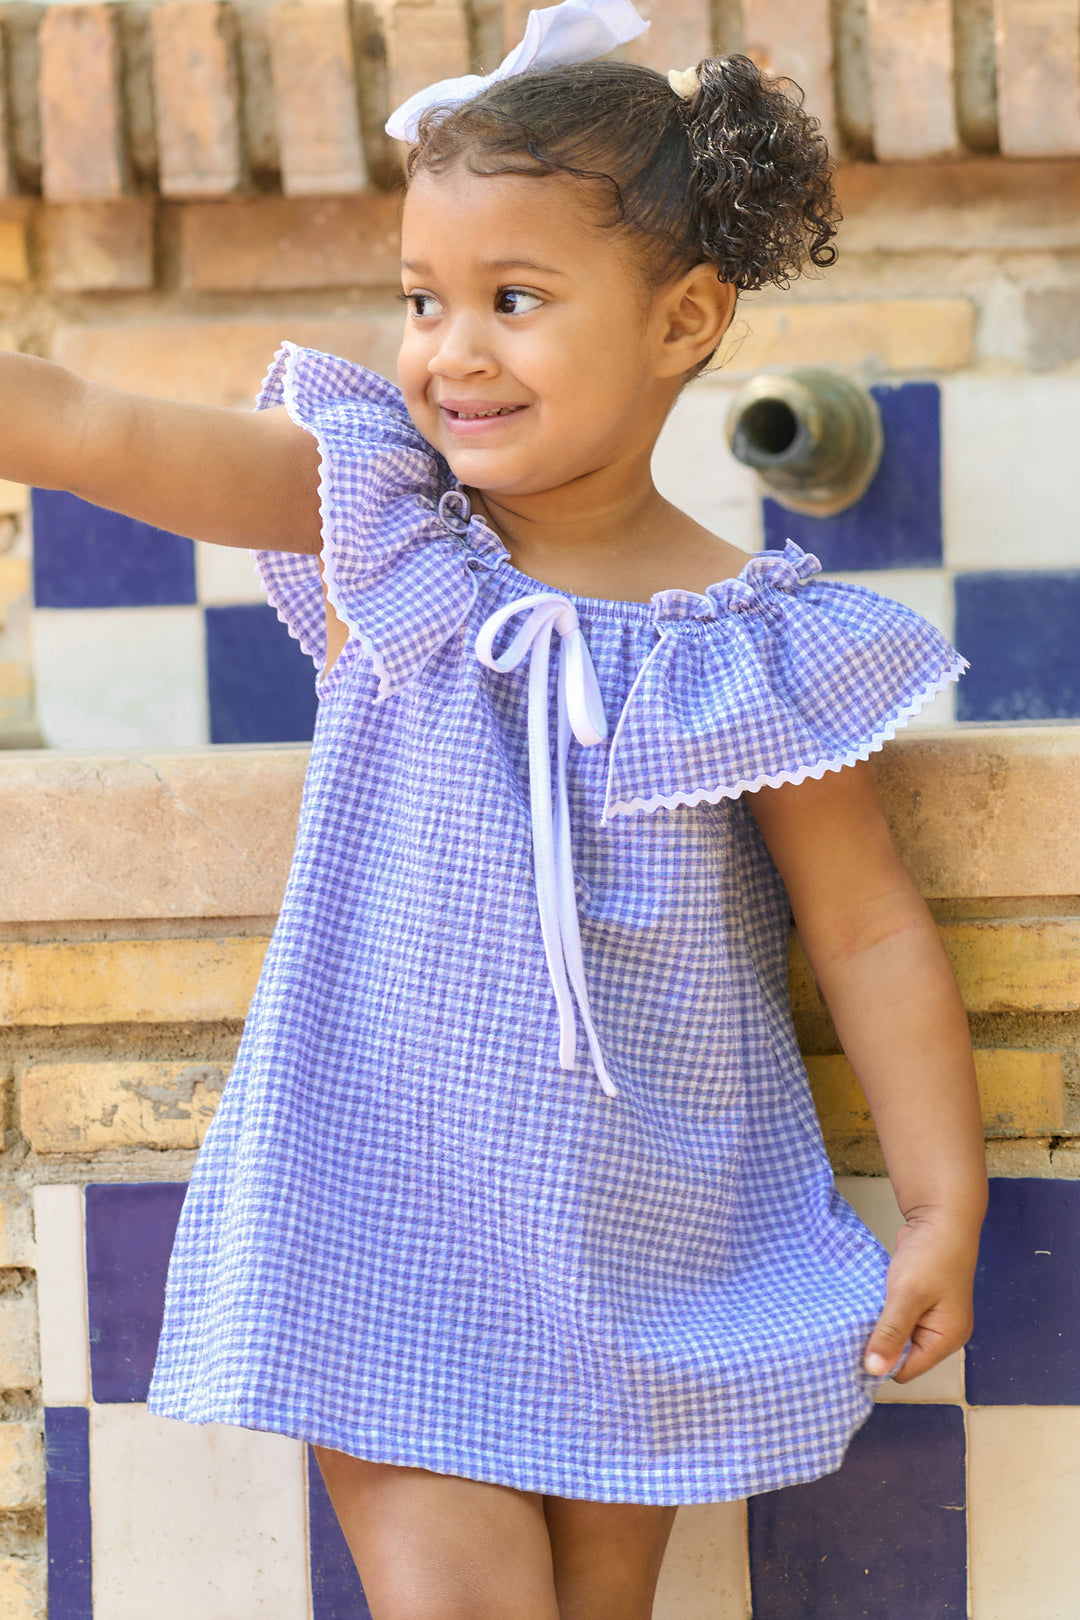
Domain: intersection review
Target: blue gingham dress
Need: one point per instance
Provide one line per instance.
(414, 1234)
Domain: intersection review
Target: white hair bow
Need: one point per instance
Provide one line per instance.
(576, 31)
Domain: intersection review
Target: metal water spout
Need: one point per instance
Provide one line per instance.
(812, 435)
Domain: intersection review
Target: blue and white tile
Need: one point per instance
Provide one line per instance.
(873, 1200)
(1023, 1467)
(929, 592)
(120, 677)
(226, 574)
(885, 1535)
(61, 1290)
(897, 522)
(68, 1532)
(1019, 631)
(1025, 1350)
(261, 687)
(1011, 471)
(130, 1229)
(694, 469)
(88, 557)
(193, 1520)
(705, 1573)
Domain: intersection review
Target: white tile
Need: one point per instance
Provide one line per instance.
(226, 574)
(192, 1521)
(694, 469)
(121, 677)
(704, 1575)
(1023, 1512)
(1010, 471)
(928, 591)
(873, 1200)
(61, 1288)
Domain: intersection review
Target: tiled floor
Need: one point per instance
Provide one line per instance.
(142, 639)
(151, 1517)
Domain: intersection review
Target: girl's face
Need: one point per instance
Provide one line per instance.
(532, 354)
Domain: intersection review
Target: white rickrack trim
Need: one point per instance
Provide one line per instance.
(626, 807)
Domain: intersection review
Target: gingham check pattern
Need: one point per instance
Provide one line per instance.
(410, 1235)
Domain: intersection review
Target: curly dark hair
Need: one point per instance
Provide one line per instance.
(737, 175)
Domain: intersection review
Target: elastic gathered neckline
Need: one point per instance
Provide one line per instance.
(746, 594)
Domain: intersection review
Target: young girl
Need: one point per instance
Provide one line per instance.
(516, 1206)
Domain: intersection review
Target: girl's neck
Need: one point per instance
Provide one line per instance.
(595, 540)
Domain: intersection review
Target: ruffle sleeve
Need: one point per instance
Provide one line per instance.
(400, 553)
(769, 678)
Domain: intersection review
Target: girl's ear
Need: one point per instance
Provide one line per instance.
(694, 313)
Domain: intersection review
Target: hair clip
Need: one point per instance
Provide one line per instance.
(685, 84)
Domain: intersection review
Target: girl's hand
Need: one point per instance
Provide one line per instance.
(928, 1296)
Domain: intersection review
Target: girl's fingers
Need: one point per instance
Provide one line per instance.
(885, 1345)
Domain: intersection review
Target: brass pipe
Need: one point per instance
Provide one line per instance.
(812, 435)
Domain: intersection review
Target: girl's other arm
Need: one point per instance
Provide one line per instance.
(237, 478)
(893, 996)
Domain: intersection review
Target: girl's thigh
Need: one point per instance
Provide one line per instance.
(606, 1557)
(438, 1547)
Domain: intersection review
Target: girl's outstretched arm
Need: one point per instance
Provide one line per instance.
(237, 478)
(893, 996)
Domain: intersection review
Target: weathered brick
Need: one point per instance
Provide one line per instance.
(14, 576)
(426, 40)
(196, 98)
(22, 1466)
(913, 80)
(794, 38)
(278, 243)
(315, 97)
(1038, 77)
(1052, 316)
(16, 1230)
(100, 247)
(79, 98)
(1017, 966)
(217, 362)
(13, 498)
(9, 183)
(968, 207)
(1025, 966)
(895, 334)
(1021, 1094)
(680, 34)
(14, 260)
(19, 1365)
(129, 981)
(22, 1589)
(87, 1107)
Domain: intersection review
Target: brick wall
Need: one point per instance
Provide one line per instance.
(186, 184)
(138, 895)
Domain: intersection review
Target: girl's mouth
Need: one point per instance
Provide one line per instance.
(476, 416)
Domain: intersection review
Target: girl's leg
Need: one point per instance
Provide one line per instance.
(606, 1557)
(439, 1547)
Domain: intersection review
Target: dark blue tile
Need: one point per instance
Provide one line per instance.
(85, 556)
(336, 1593)
(897, 523)
(885, 1538)
(1021, 633)
(67, 1512)
(261, 686)
(1024, 1350)
(129, 1236)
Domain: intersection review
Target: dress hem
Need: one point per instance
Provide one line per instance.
(527, 1477)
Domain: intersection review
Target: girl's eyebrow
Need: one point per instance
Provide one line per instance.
(418, 268)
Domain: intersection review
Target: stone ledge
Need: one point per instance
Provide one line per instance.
(979, 812)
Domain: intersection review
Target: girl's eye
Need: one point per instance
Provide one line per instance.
(421, 304)
(516, 301)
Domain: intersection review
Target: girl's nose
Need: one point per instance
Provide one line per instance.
(462, 351)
